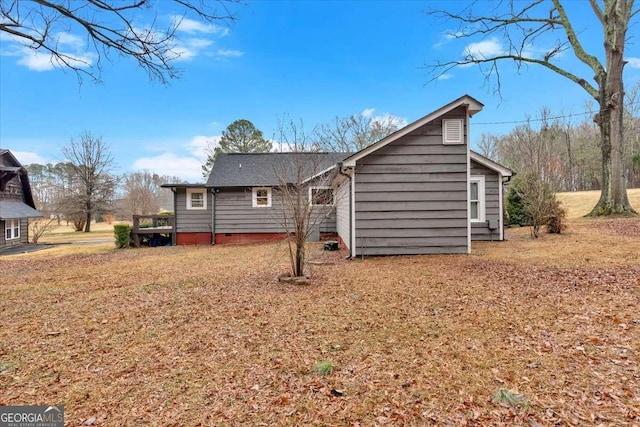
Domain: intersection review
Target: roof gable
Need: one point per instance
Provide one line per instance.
(10, 167)
(263, 169)
(490, 164)
(473, 106)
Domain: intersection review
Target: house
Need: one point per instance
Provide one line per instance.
(238, 203)
(16, 201)
(420, 190)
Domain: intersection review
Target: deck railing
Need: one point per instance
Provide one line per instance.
(153, 224)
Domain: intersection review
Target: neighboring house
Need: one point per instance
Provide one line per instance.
(16, 201)
(420, 190)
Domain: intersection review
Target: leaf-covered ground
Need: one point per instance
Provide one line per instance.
(206, 335)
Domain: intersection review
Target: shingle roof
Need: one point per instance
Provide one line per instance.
(10, 209)
(262, 169)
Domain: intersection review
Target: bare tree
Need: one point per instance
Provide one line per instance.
(303, 190)
(39, 226)
(353, 133)
(93, 184)
(110, 26)
(488, 146)
(522, 25)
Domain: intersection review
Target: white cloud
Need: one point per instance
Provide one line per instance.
(29, 157)
(199, 144)
(229, 53)
(187, 165)
(483, 49)
(633, 62)
(368, 112)
(448, 36)
(192, 26)
(390, 119)
(187, 168)
(71, 47)
(384, 119)
(444, 76)
(189, 48)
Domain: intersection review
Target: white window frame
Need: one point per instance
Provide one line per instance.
(190, 192)
(254, 197)
(12, 228)
(322, 187)
(445, 134)
(481, 198)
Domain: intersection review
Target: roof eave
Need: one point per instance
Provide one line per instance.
(472, 105)
(490, 164)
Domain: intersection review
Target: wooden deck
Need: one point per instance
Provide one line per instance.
(159, 224)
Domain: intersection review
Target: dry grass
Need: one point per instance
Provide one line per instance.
(206, 336)
(65, 233)
(580, 203)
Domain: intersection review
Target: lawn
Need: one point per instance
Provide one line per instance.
(523, 332)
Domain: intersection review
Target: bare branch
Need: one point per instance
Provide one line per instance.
(110, 27)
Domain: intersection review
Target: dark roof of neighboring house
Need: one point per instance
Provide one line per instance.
(263, 169)
(13, 209)
(183, 185)
(9, 172)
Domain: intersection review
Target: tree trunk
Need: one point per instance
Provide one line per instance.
(613, 198)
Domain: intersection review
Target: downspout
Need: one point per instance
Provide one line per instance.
(468, 147)
(174, 240)
(351, 243)
(213, 216)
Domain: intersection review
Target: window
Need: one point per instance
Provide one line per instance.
(452, 131)
(12, 229)
(196, 198)
(476, 199)
(261, 197)
(321, 196)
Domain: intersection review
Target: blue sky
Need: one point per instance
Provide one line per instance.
(307, 60)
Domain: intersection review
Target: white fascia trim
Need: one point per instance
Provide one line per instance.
(327, 170)
(472, 104)
(490, 164)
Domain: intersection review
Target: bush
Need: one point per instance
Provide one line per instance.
(557, 217)
(122, 233)
(516, 213)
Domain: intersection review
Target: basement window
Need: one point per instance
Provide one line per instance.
(261, 197)
(196, 198)
(452, 131)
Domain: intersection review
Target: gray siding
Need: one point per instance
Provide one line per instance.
(411, 196)
(192, 220)
(480, 230)
(235, 213)
(342, 211)
(24, 234)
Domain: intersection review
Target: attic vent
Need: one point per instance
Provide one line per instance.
(452, 132)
